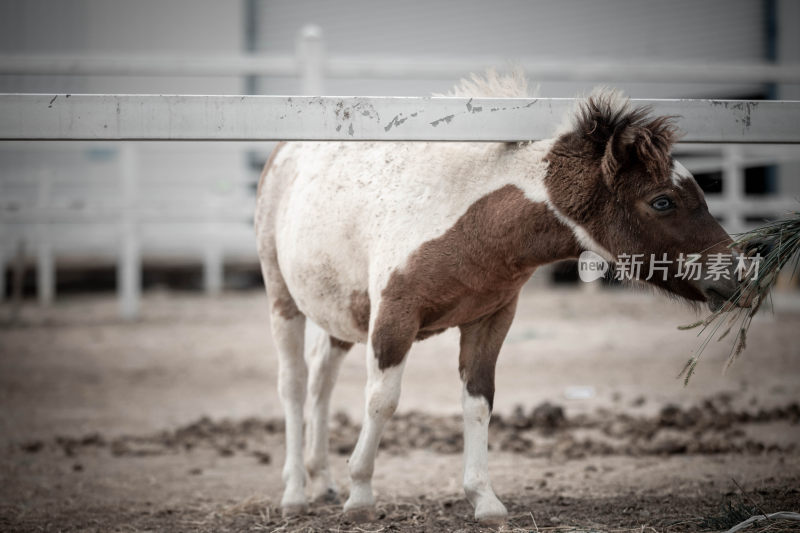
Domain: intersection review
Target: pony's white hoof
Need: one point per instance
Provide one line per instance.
(293, 509)
(491, 513)
(360, 506)
(293, 502)
(360, 514)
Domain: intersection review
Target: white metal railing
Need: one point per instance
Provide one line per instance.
(272, 118)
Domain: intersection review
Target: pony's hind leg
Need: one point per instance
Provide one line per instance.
(288, 332)
(325, 357)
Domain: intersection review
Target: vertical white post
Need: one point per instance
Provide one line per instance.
(213, 274)
(213, 269)
(129, 267)
(45, 265)
(311, 59)
(733, 188)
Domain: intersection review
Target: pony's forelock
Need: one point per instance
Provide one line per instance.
(607, 117)
(614, 101)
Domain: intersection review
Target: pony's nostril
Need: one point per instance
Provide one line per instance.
(714, 293)
(717, 297)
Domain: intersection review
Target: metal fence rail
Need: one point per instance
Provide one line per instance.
(269, 118)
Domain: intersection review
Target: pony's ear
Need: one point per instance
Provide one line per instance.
(606, 120)
(618, 133)
(616, 152)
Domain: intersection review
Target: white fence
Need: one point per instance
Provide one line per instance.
(270, 118)
(130, 223)
(104, 203)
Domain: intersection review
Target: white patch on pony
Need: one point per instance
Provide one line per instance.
(679, 173)
(477, 486)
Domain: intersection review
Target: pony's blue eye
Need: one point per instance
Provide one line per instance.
(662, 203)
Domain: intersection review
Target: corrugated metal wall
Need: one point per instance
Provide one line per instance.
(711, 30)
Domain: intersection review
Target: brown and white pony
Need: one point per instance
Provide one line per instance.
(386, 243)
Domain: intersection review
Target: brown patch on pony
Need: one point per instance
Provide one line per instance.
(268, 165)
(474, 269)
(340, 344)
(480, 345)
(359, 309)
(424, 334)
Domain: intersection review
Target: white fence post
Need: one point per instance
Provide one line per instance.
(129, 267)
(733, 188)
(311, 59)
(45, 264)
(213, 260)
(213, 271)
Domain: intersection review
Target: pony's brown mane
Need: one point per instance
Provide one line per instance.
(608, 120)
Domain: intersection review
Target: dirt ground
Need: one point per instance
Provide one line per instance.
(172, 422)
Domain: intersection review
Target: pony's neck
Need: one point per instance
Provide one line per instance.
(553, 235)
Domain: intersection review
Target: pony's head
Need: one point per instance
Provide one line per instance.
(612, 175)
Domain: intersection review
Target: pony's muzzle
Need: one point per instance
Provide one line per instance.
(719, 297)
(732, 287)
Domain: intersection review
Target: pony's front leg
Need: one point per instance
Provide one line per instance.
(480, 345)
(385, 361)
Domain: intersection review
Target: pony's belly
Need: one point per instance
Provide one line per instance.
(328, 288)
(336, 324)
(332, 312)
